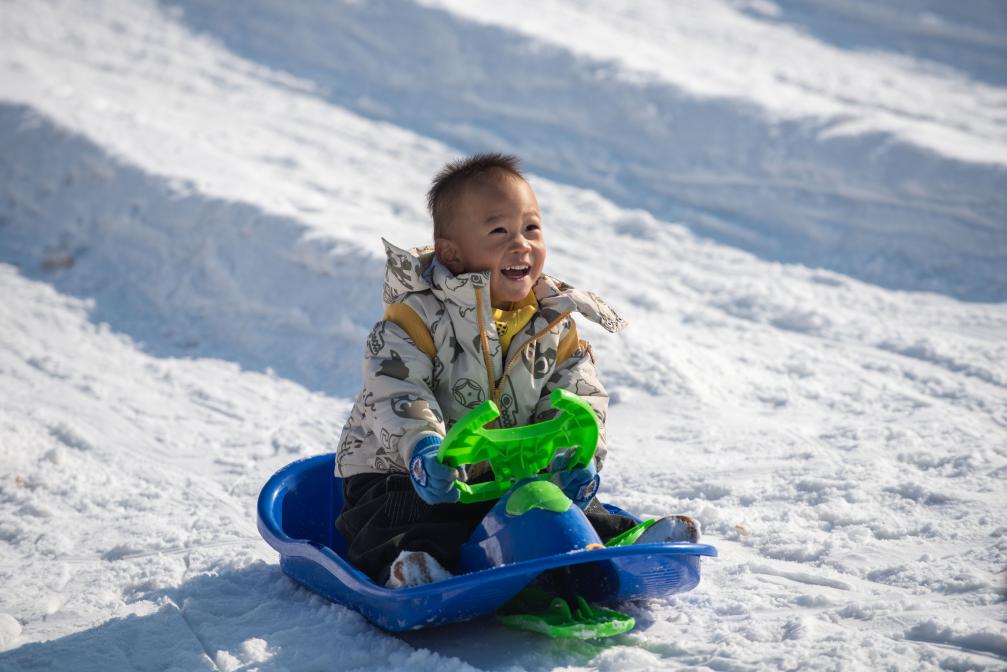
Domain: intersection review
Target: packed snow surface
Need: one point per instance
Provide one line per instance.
(800, 206)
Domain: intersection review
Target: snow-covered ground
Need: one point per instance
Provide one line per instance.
(800, 206)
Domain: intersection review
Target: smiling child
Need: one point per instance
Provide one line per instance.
(473, 318)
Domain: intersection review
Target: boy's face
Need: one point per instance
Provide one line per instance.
(497, 227)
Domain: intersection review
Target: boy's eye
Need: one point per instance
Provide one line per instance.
(499, 229)
(533, 227)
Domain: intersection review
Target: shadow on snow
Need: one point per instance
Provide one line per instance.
(182, 274)
(257, 616)
(867, 205)
(966, 36)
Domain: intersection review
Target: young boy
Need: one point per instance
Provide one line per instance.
(471, 319)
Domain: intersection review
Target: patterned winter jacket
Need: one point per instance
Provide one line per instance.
(437, 355)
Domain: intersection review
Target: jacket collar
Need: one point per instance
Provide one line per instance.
(419, 270)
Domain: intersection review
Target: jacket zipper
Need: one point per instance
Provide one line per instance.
(497, 388)
(484, 340)
(513, 360)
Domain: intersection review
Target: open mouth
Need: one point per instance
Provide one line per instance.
(516, 272)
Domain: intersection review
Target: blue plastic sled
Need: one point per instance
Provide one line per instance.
(296, 513)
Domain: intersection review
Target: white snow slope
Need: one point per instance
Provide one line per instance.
(800, 206)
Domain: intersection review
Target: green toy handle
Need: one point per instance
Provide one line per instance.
(518, 453)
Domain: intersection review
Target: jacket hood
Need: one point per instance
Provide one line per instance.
(418, 270)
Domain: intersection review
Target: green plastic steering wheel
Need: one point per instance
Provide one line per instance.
(518, 453)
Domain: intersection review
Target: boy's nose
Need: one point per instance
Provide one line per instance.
(519, 242)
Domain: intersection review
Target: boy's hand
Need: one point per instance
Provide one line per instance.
(580, 485)
(433, 481)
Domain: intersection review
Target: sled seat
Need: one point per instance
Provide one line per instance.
(297, 509)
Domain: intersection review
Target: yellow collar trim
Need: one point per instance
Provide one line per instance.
(510, 322)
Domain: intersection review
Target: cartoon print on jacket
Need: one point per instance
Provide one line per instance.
(546, 414)
(463, 310)
(508, 406)
(544, 362)
(455, 283)
(399, 265)
(606, 317)
(388, 295)
(549, 315)
(493, 342)
(376, 339)
(394, 367)
(468, 392)
(367, 400)
(388, 451)
(433, 381)
(456, 349)
(407, 394)
(347, 447)
(411, 406)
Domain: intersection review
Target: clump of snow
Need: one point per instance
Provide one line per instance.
(961, 634)
(250, 651)
(10, 631)
(70, 436)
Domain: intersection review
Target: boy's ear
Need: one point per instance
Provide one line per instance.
(448, 254)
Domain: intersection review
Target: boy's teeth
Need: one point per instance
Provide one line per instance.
(516, 272)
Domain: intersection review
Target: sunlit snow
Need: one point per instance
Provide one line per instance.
(799, 206)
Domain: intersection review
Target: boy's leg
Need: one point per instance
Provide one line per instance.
(383, 516)
(669, 528)
(608, 525)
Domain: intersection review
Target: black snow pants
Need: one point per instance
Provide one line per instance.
(382, 516)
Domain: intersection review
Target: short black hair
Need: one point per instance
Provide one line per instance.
(453, 177)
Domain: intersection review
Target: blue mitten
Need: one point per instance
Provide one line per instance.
(433, 481)
(580, 485)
